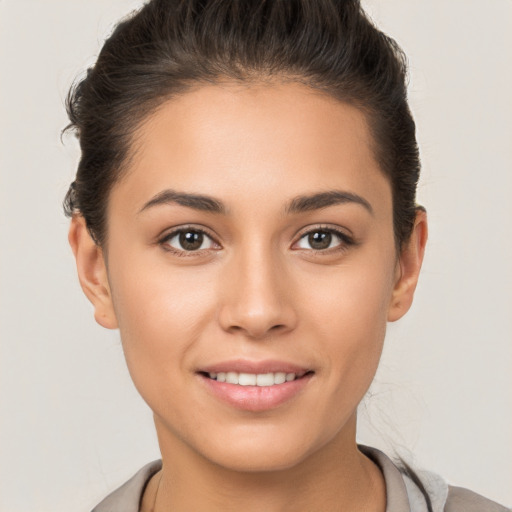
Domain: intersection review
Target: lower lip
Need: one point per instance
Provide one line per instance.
(256, 398)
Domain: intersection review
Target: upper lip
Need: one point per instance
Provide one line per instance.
(257, 367)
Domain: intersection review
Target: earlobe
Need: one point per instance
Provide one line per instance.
(92, 272)
(408, 268)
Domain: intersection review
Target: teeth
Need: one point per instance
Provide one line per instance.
(279, 378)
(253, 379)
(232, 378)
(247, 379)
(265, 379)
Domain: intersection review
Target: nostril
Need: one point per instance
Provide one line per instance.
(258, 332)
(256, 319)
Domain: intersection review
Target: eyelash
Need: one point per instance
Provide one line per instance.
(344, 239)
(164, 241)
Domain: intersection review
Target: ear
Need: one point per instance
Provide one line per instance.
(92, 272)
(408, 268)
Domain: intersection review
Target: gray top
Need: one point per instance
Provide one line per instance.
(402, 493)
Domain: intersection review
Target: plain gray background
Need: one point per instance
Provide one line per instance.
(73, 427)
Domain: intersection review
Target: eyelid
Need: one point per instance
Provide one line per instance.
(346, 239)
(170, 233)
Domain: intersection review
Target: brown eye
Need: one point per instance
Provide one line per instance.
(322, 239)
(189, 240)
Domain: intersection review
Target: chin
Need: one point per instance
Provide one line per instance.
(261, 460)
(263, 451)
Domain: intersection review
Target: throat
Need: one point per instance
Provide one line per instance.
(282, 491)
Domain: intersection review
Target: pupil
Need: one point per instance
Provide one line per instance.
(320, 240)
(191, 240)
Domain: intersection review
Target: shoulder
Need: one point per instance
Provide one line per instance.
(464, 500)
(414, 490)
(128, 497)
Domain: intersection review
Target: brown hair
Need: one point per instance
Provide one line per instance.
(170, 45)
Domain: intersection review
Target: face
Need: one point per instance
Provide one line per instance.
(251, 271)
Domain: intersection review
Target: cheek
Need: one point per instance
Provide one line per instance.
(149, 293)
(351, 302)
(162, 313)
(349, 323)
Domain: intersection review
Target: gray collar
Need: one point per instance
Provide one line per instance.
(127, 498)
(397, 499)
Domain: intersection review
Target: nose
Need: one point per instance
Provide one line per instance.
(257, 296)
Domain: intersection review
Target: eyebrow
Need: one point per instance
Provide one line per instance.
(298, 204)
(325, 199)
(195, 201)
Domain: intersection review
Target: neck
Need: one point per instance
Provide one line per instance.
(336, 477)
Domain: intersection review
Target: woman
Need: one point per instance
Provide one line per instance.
(244, 212)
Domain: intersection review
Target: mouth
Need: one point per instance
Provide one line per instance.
(256, 379)
(253, 386)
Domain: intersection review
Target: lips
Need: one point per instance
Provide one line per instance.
(255, 386)
(254, 379)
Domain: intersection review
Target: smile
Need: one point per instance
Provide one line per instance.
(254, 379)
(255, 387)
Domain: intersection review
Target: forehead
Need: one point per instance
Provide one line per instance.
(252, 141)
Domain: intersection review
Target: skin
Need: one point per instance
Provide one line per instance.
(257, 289)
